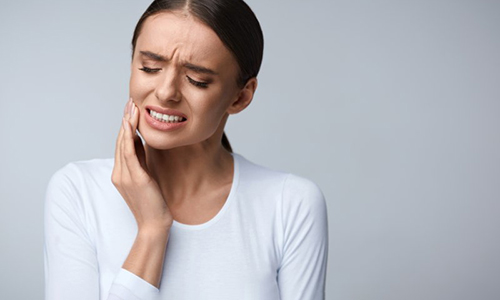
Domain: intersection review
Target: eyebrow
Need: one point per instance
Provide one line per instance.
(190, 66)
(153, 56)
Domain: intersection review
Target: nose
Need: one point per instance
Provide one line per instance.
(167, 87)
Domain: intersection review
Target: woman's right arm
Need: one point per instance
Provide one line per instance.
(71, 267)
(143, 196)
(70, 260)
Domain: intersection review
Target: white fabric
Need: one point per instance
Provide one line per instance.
(268, 242)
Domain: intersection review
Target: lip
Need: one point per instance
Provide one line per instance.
(167, 111)
(162, 125)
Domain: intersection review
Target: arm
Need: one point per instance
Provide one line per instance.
(139, 277)
(71, 269)
(70, 261)
(147, 255)
(302, 273)
(143, 196)
(71, 266)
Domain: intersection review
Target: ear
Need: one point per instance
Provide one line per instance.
(244, 97)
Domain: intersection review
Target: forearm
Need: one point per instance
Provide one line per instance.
(147, 255)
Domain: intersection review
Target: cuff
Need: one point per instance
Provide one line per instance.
(132, 284)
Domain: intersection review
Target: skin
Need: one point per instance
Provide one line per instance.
(185, 174)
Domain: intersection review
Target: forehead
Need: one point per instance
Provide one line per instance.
(177, 35)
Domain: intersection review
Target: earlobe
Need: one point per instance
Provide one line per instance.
(245, 97)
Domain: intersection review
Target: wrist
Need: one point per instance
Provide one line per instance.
(153, 232)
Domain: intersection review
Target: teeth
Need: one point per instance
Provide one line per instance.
(165, 118)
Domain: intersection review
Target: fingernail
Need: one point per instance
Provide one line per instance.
(133, 110)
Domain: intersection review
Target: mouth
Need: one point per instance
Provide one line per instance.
(166, 115)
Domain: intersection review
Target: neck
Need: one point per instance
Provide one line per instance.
(184, 173)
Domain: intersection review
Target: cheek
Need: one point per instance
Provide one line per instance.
(208, 105)
(139, 87)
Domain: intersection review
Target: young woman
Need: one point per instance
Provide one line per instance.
(181, 216)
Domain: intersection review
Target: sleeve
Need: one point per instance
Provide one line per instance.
(302, 272)
(70, 261)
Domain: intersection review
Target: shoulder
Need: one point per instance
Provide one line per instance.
(259, 179)
(297, 187)
(76, 171)
(256, 172)
(292, 189)
(304, 213)
(69, 181)
(302, 196)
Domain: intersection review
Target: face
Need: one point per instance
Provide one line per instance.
(181, 64)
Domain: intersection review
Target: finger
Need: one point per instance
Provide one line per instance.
(125, 172)
(120, 133)
(139, 147)
(130, 156)
(118, 160)
(134, 117)
(118, 141)
(141, 153)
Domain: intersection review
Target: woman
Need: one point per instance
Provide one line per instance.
(183, 217)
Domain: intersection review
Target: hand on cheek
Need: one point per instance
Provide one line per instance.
(131, 177)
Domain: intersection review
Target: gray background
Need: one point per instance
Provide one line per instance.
(392, 107)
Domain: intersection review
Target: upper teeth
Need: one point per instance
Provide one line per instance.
(165, 118)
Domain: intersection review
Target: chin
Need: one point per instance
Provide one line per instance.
(159, 142)
(165, 141)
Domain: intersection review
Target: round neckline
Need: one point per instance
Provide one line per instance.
(232, 191)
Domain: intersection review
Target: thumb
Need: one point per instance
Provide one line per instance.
(134, 118)
(140, 152)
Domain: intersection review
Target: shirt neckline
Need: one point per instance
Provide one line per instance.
(234, 185)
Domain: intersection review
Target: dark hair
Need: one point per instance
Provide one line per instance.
(235, 24)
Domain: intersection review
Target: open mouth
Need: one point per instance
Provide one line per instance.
(165, 118)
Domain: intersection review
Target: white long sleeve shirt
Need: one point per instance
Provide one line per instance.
(268, 242)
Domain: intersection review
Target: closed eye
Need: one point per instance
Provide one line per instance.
(200, 84)
(149, 70)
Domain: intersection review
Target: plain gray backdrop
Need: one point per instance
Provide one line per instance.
(391, 107)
